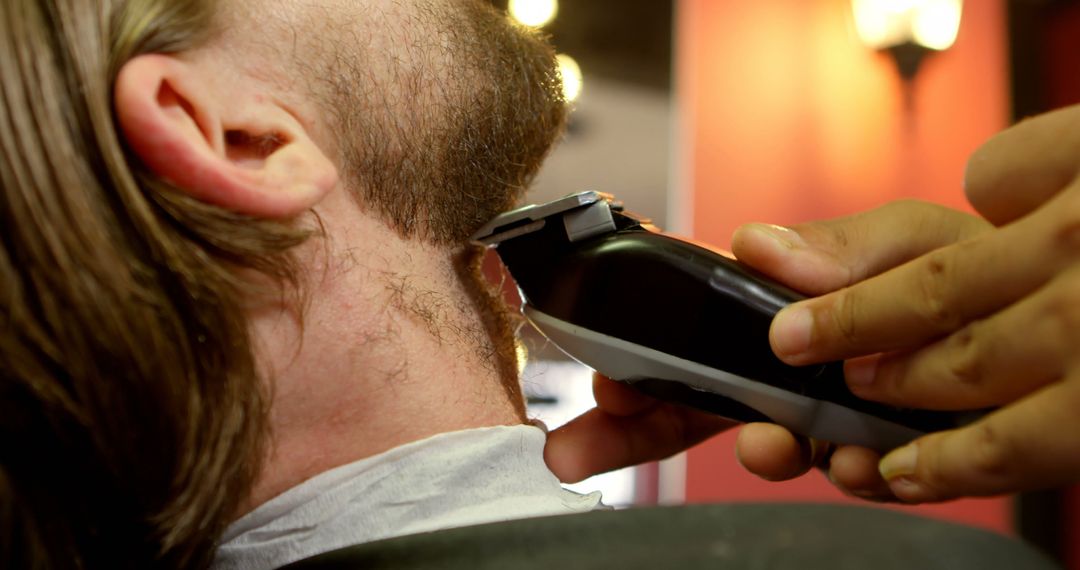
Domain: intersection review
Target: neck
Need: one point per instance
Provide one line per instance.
(397, 344)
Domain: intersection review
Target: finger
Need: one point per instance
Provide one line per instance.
(775, 454)
(1028, 445)
(987, 363)
(1021, 168)
(854, 470)
(598, 442)
(772, 452)
(820, 257)
(933, 295)
(618, 398)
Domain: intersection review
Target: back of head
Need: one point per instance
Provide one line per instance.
(131, 416)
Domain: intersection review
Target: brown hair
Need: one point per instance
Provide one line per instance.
(132, 420)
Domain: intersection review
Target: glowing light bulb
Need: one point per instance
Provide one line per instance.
(884, 24)
(872, 22)
(572, 80)
(936, 24)
(535, 13)
(898, 6)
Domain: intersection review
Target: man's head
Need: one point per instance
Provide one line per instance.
(231, 236)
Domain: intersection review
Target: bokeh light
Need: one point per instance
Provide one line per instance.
(570, 72)
(535, 13)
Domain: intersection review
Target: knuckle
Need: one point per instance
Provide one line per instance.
(936, 300)
(844, 316)
(991, 454)
(1063, 307)
(1066, 234)
(840, 235)
(966, 357)
(895, 379)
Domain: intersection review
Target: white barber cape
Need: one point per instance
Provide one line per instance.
(450, 480)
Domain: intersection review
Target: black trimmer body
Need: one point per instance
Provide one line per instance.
(679, 321)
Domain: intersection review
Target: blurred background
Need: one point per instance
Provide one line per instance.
(707, 114)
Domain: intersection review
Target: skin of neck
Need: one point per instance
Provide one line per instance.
(389, 349)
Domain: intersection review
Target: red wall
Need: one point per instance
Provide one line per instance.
(784, 116)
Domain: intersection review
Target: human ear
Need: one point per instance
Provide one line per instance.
(218, 140)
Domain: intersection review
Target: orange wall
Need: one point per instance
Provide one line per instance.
(784, 116)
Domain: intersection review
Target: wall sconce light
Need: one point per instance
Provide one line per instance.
(908, 29)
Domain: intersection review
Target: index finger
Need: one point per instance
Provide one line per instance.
(822, 256)
(933, 295)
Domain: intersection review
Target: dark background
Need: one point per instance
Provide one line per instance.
(625, 40)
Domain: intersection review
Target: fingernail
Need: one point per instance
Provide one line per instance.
(899, 463)
(791, 331)
(786, 237)
(907, 489)
(861, 371)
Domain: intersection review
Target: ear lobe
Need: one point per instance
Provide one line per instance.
(218, 142)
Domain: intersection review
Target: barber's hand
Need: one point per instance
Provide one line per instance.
(625, 428)
(628, 427)
(821, 257)
(989, 317)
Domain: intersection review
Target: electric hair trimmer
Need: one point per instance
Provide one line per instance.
(680, 322)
